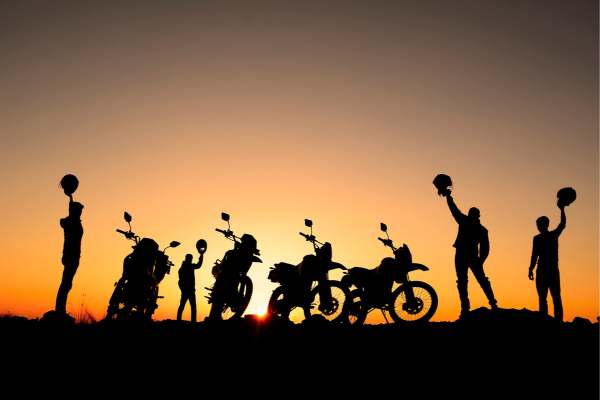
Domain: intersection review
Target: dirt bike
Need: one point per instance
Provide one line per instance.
(371, 289)
(306, 287)
(136, 293)
(232, 289)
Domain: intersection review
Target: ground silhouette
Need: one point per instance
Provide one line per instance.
(504, 352)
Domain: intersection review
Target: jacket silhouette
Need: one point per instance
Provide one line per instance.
(73, 232)
(187, 284)
(472, 249)
(545, 255)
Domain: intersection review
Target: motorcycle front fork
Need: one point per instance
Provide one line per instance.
(410, 300)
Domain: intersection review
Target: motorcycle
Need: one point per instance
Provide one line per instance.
(371, 289)
(232, 289)
(136, 293)
(306, 286)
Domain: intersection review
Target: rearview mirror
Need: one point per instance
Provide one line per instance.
(383, 227)
(127, 217)
(174, 244)
(308, 223)
(225, 217)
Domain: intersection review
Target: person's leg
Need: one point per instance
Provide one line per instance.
(193, 305)
(182, 302)
(484, 282)
(541, 285)
(460, 262)
(554, 285)
(65, 286)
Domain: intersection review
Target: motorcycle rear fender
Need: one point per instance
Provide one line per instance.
(284, 264)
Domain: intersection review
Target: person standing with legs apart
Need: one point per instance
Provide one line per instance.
(187, 281)
(472, 249)
(545, 255)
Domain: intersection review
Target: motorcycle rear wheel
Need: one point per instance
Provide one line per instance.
(333, 311)
(278, 307)
(356, 311)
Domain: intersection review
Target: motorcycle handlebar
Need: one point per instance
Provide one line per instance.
(227, 233)
(129, 235)
(386, 242)
(309, 238)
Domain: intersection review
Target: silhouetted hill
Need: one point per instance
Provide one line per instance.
(513, 352)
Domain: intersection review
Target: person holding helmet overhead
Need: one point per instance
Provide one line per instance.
(73, 231)
(545, 255)
(472, 249)
(187, 280)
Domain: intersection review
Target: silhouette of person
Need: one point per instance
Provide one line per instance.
(545, 255)
(187, 284)
(472, 249)
(73, 231)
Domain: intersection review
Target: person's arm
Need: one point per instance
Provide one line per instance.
(200, 260)
(563, 222)
(484, 246)
(458, 216)
(534, 259)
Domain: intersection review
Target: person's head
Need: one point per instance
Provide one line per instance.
(542, 224)
(474, 213)
(75, 209)
(188, 258)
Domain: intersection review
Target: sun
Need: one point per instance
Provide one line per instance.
(260, 312)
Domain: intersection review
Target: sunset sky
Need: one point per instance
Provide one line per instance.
(342, 112)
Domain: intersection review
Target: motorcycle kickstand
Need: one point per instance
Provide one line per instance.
(384, 316)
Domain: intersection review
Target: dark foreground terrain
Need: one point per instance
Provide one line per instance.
(512, 353)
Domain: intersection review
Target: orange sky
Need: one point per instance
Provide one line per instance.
(341, 113)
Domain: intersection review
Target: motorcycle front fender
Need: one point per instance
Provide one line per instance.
(417, 267)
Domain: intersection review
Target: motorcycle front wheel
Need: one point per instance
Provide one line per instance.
(413, 302)
(237, 307)
(116, 302)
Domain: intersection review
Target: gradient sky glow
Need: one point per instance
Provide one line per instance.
(340, 112)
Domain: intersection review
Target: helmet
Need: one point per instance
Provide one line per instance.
(201, 245)
(69, 183)
(566, 196)
(442, 183)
